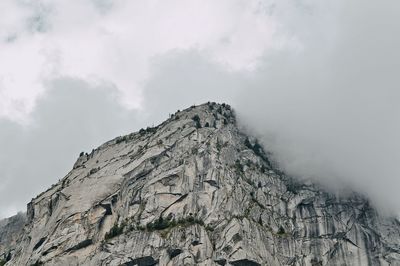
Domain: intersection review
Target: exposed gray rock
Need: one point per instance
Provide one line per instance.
(10, 230)
(184, 193)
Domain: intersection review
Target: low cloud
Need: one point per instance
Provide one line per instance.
(330, 110)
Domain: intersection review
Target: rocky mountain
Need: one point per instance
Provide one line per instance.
(194, 190)
(10, 230)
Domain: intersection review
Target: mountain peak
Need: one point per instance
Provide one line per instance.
(195, 190)
(207, 115)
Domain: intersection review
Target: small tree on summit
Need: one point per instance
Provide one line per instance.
(196, 119)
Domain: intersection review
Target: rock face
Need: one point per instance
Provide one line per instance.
(196, 191)
(10, 231)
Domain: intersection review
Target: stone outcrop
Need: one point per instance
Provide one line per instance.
(195, 190)
(10, 231)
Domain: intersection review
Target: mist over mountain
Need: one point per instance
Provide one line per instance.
(316, 82)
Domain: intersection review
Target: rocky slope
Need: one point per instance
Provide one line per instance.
(10, 231)
(196, 191)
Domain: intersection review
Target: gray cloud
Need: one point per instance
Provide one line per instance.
(183, 78)
(330, 111)
(72, 117)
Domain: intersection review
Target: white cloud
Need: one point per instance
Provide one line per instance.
(116, 41)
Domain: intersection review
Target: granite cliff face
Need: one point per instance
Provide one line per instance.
(195, 191)
(10, 231)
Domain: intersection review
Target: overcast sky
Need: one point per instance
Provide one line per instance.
(316, 81)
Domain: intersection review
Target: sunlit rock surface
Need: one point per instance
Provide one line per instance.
(195, 191)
